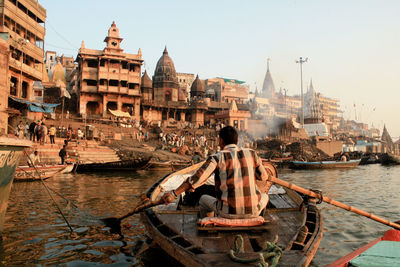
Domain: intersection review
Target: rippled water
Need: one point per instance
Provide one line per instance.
(36, 234)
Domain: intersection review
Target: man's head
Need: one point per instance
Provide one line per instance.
(36, 152)
(227, 135)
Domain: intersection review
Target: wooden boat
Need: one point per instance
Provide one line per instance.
(280, 162)
(295, 220)
(390, 159)
(179, 164)
(30, 174)
(170, 165)
(69, 168)
(324, 164)
(384, 251)
(10, 153)
(159, 165)
(122, 165)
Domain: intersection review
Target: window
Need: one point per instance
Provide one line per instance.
(92, 63)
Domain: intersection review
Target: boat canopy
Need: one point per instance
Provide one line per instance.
(119, 113)
(36, 106)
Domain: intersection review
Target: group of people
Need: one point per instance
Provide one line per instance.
(36, 132)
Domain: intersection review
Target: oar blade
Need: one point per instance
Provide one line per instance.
(114, 224)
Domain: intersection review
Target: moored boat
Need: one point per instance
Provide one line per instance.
(169, 165)
(280, 162)
(390, 159)
(324, 164)
(295, 220)
(10, 153)
(383, 251)
(122, 165)
(30, 174)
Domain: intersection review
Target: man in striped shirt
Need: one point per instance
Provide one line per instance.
(235, 173)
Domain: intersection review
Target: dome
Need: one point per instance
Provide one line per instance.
(165, 69)
(146, 81)
(197, 85)
(58, 74)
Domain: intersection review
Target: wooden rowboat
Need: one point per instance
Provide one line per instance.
(383, 251)
(30, 174)
(122, 165)
(296, 222)
(324, 164)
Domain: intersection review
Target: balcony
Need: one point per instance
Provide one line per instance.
(134, 92)
(113, 89)
(28, 48)
(102, 88)
(23, 19)
(89, 75)
(89, 89)
(30, 71)
(123, 90)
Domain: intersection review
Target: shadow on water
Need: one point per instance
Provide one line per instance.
(35, 234)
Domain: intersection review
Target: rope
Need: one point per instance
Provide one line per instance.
(319, 193)
(54, 191)
(48, 191)
(271, 251)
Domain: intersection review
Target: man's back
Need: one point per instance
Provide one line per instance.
(236, 170)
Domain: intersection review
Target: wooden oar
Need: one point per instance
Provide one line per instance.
(115, 222)
(334, 202)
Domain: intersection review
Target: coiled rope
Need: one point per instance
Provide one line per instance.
(271, 251)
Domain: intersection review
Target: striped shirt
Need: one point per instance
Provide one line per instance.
(236, 170)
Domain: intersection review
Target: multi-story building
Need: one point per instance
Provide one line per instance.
(109, 79)
(226, 90)
(4, 88)
(24, 21)
(185, 81)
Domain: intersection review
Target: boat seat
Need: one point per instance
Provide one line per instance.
(224, 224)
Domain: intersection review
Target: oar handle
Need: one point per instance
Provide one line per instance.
(334, 202)
(141, 208)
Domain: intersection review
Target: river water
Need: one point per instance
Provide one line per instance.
(35, 234)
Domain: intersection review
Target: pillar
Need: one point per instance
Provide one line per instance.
(104, 105)
(119, 101)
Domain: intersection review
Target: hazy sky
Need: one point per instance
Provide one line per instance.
(353, 47)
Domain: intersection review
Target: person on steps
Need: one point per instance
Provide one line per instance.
(63, 154)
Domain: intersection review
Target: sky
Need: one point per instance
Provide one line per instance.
(353, 47)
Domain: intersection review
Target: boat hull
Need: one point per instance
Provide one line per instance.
(324, 164)
(10, 153)
(390, 235)
(31, 174)
(174, 230)
(123, 165)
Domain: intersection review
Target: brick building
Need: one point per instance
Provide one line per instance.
(23, 21)
(108, 79)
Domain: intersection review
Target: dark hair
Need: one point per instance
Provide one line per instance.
(229, 135)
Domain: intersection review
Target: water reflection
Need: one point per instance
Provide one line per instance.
(36, 234)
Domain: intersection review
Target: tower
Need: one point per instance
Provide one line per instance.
(268, 89)
(113, 40)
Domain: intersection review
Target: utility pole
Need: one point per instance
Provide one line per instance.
(285, 90)
(301, 61)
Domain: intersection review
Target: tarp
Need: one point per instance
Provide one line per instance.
(119, 113)
(36, 106)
